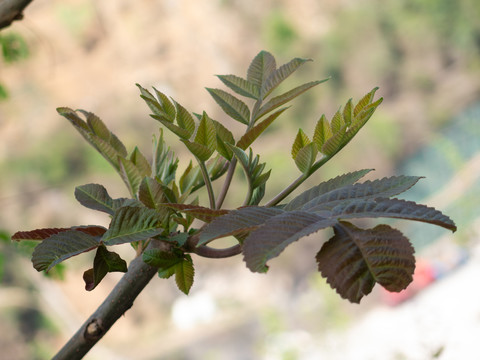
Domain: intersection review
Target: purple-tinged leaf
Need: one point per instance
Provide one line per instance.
(131, 175)
(354, 259)
(381, 188)
(151, 193)
(392, 208)
(236, 222)
(269, 240)
(105, 261)
(62, 246)
(325, 187)
(132, 224)
(42, 234)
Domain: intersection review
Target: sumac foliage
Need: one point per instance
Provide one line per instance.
(164, 201)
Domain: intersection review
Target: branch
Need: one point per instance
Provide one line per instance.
(11, 10)
(114, 306)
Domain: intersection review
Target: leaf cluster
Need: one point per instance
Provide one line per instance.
(164, 203)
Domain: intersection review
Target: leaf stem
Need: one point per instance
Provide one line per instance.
(226, 184)
(296, 183)
(208, 183)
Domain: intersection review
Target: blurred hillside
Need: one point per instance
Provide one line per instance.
(424, 56)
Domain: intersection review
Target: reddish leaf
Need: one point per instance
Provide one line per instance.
(42, 234)
(105, 261)
(354, 259)
(197, 211)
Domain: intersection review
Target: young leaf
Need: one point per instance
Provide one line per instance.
(251, 135)
(240, 86)
(206, 134)
(301, 140)
(306, 157)
(334, 144)
(348, 113)
(261, 67)
(164, 162)
(140, 162)
(232, 106)
(61, 246)
(367, 99)
(337, 121)
(131, 175)
(277, 101)
(177, 130)
(279, 75)
(322, 132)
(353, 260)
(237, 221)
(277, 232)
(184, 273)
(105, 261)
(202, 152)
(132, 224)
(184, 119)
(325, 187)
(42, 234)
(95, 197)
(151, 193)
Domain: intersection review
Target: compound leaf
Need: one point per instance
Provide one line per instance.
(280, 74)
(354, 259)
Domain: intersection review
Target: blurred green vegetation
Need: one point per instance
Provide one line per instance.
(13, 48)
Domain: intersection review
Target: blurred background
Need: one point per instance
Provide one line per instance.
(424, 56)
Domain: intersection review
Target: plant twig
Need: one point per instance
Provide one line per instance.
(11, 10)
(114, 306)
(208, 183)
(226, 184)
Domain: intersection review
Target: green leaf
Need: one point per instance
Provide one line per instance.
(95, 197)
(277, 101)
(168, 108)
(301, 140)
(380, 188)
(269, 240)
(61, 246)
(105, 261)
(160, 259)
(131, 175)
(184, 120)
(334, 144)
(237, 221)
(261, 67)
(251, 135)
(367, 99)
(177, 130)
(151, 193)
(306, 157)
(240, 86)
(223, 137)
(354, 259)
(325, 187)
(337, 122)
(140, 162)
(206, 134)
(202, 152)
(232, 106)
(279, 75)
(132, 224)
(392, 208)
(348, 113)
(184, 273)
(322, 132)
(164, 162)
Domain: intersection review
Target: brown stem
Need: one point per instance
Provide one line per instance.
(114, 306)
(11, 10)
